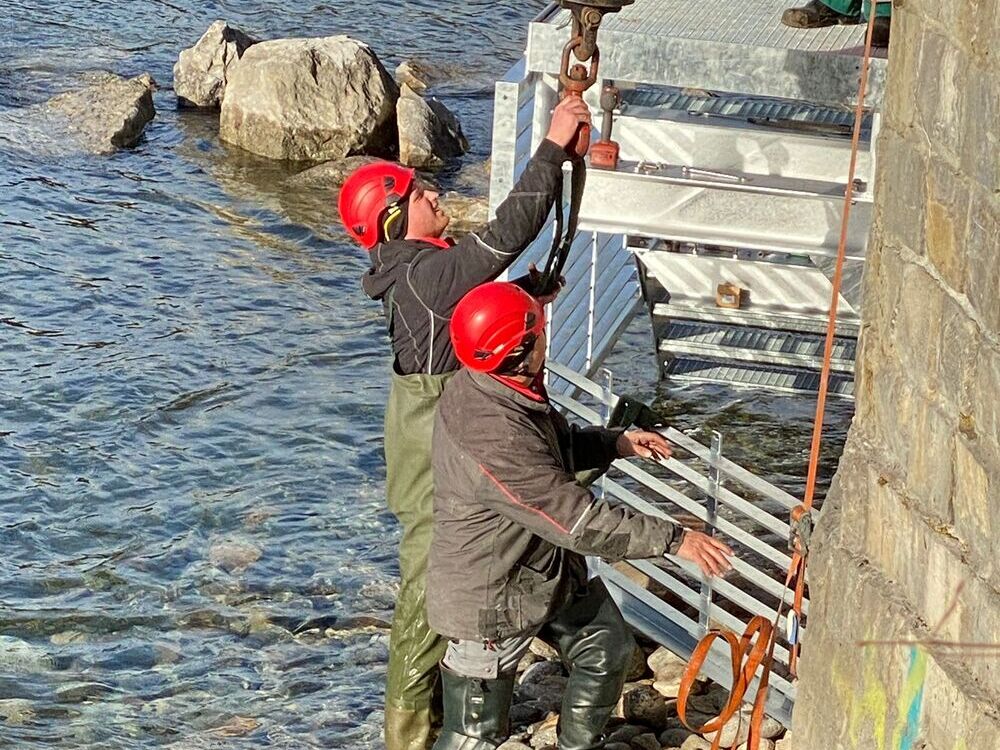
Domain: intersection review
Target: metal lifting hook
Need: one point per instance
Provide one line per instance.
(577, 78)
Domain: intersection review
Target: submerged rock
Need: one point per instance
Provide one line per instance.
(234, 556)
(20, 657)
(330, 174)
(16, 711)
(108, 114)
(429, 134)
(310, 99)
(202, 71)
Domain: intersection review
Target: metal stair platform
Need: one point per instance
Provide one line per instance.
(787, 380)
(681, 338)
(758, 316)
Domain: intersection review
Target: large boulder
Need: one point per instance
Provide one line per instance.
(202, 71)
(429, 134)
(108, 114)
(310, 100)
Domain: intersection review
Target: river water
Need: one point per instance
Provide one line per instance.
(195, 551)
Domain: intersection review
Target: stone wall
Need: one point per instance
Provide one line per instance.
(914, 515)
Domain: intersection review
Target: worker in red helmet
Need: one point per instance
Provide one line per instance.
(419, 275)
(512, 526)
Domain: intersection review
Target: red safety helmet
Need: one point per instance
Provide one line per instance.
(368, 193)
(491, 321)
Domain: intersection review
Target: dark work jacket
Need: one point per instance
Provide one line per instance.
(419, 283)
(510, 522)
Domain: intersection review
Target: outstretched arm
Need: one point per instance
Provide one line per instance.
(483, 255)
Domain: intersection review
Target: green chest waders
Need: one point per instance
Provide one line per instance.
(414, 649)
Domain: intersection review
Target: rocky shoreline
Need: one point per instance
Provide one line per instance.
(646, 716)
(327, 103)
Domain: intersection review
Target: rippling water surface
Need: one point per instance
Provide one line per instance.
(195, 551)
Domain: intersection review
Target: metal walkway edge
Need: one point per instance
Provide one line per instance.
(673, 604)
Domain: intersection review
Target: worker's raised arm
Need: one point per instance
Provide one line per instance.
(483, 255)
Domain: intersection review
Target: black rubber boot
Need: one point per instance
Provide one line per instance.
(597, 646)
(816, 15)
(476, 711)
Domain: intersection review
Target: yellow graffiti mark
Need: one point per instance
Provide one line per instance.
(870, 708)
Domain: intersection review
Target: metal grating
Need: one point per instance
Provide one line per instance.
(756, 341)
(750, 108)
(756, 24)
(787, 379)
(784, 320)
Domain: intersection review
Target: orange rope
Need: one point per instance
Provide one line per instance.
(746, 652)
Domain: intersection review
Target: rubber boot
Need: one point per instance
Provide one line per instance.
(816, 15)
(596, 644)
(476, 711)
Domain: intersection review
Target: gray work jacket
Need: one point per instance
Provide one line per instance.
(510, 522)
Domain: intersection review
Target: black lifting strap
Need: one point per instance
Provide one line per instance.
(559, 253)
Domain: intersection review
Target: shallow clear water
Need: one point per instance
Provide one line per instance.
(195, 550)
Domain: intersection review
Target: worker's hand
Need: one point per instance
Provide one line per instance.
(568, 115)
(643, 444)
(535, 276)
(707, 552)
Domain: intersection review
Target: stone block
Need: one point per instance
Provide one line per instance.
(959, 351)
(946, 222)
(940, 94)
(974, 515)
(980, 400)
(928, 474)
(982, 267)
(899, 105)
(900, 211)
(981, 151)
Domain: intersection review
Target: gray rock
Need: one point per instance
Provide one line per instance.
(668, 669)
(202, 71)
(233, 556)
(735, 732)
(764, 744)
(20, 657)
(109, 114)
(547, 694)
(16, 711)
(785, 743)
(330, 174)
(526, 661)
(540, 648)
(429, 134)
(540, 671)
(527, 712)
(544, 735)
(637, 669)
(646, 741)
(694, 742)
(415, 74)
(514, 745)
(643, 705)
(771, 728)
(674, 737)
(625, 733)
(310, 100)
(617, 746)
